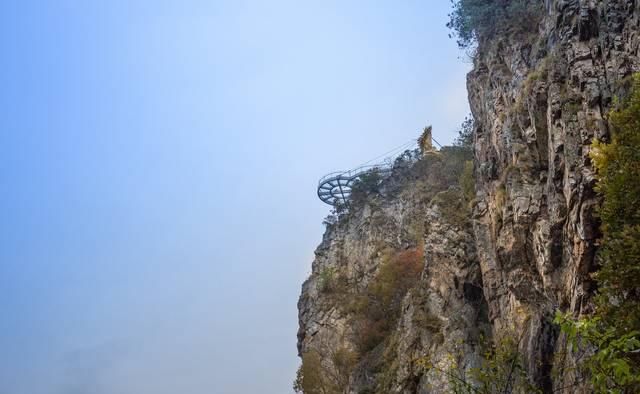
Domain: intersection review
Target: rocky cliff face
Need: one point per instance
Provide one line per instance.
(523, 250)
(538, 104)
(416, 217)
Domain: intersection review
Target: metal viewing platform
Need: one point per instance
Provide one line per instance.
(335, 188)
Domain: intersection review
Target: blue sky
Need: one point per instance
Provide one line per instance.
(158, 162)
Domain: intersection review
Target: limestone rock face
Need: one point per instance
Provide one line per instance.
(538, 104)
(439, 319)
(526, 246)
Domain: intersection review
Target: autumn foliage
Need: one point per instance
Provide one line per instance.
(377, 310)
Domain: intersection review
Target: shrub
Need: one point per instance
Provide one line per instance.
(454, 207)
(367, 184)
(310, 378)
(344, 361)
(326, 280)
(451, 164)
(377, 310)
(333, 283)
(612, 367)
(500, 371)
(314, 377)
(467, 182)
(465, 134)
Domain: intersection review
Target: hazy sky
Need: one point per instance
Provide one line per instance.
(158, 163)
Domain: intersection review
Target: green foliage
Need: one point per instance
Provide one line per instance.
(467, 182)
(310, 378)
(327, 280)
(570, 109)
(474, 21)
(454, 207)
(501, 371)
(612, 331)
(387, 369)
(618, 170)
(623, 87)
(613, 367)
(465, 134)
(344, 361)
(367, 184)
(426, 174)
(369, 181)
(540, 73)
(333, 283)
(315, 377)
(452, 163)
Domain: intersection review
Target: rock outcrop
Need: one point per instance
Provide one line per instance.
(538, 104)
(525, 247)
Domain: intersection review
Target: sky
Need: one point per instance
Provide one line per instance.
(158, 165)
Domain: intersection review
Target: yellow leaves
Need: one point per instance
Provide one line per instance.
(598, 154)
(424, 362)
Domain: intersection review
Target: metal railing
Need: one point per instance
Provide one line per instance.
(335, 187)
(356, 172)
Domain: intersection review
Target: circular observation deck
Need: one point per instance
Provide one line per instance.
(335, 188)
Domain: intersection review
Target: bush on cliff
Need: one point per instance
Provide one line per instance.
(310, 378)
(316, 377)
(366, 185)
(377, 310)
(501, 370)
(467, 182)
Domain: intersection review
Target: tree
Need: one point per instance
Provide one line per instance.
(465, 134)
(475, 21)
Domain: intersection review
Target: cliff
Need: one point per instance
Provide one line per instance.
(416, 277)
